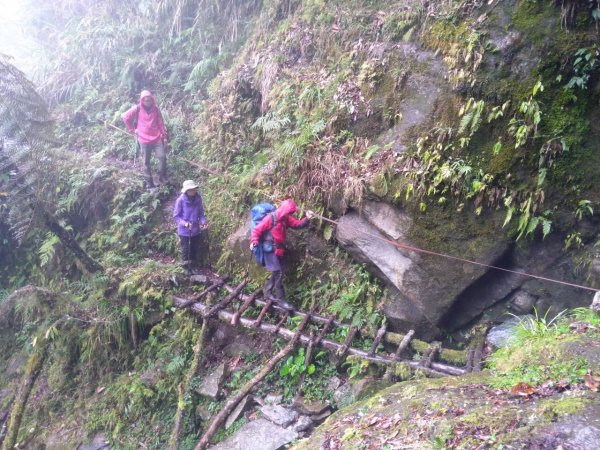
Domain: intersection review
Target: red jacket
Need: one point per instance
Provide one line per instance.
(284, 220)
(150, 124)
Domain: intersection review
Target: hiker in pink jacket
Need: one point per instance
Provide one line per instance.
(145, 120)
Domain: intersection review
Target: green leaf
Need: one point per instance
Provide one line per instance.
(311, 369)
(327, 232)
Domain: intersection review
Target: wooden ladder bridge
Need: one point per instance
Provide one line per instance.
(435, 360)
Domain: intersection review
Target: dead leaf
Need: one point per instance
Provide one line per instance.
(522, 389)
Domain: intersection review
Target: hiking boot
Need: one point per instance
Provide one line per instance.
(282, 304)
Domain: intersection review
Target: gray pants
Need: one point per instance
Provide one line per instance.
(162, 162)
(274, 286)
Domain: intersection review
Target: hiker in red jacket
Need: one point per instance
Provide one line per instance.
(274, 262)
(146, 122)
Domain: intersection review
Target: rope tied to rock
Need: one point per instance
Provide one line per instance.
(458, 258)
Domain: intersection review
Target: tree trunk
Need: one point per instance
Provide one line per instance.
(32, 371)
(185, 386)
(69, 241)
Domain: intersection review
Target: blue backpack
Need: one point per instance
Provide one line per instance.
(257, 214)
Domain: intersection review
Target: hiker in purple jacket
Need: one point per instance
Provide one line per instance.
(189, 217)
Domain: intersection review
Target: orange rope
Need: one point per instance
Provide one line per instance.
(456, 258)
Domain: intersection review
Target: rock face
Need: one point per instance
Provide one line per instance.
(279, 415)
(211, 384)
(424, 287)
(259, 434)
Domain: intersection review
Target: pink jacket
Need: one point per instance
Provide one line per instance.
(150, 124)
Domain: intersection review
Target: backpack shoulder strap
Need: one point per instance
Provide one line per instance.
(273, 220)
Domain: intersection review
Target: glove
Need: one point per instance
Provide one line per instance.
(188, 225)
(310, 214)
(253, 245)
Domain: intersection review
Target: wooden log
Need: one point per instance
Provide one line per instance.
(437, 369)
(227, 300)
(398, 354)
(32, 371)
(307, 359)
(378, 338)
(68, 240)
(325, 330)
(201, 295)
(245, 390)
(458, 357)
(469, 365)
(404, 344)
(184, 387)
(261, 316)
(247, 302)
(347, 342)
(281, 322)
(478, 356)
(431, 354)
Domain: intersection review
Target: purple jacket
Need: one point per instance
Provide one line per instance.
(189, 210)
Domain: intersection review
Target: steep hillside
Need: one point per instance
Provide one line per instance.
(468, 129)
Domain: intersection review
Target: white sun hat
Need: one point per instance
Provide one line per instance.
(187, 185)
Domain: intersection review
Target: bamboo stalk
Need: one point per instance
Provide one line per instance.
(245, 390)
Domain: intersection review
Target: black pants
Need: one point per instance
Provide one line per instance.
(189, 249)
(274, 286)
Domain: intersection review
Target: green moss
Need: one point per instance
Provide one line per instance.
(563, 406)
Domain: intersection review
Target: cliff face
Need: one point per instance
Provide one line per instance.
(468, 128)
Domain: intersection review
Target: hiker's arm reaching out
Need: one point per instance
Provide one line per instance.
(128, 118)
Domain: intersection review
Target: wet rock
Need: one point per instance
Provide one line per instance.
(203, 413)
(320, 417)
(238, 348)
(333, 383)
(273, 399)
(212, 383)
(259, 434)
(596, 302)
(279, 415)
(304, 424)
(98, 442)
(239, 410)
(310, 408)
(150, 377)
(423, 287)
(502, 335)
(523, 302)
(343, 395)
(199, 279)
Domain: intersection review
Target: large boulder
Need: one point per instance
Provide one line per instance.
(423, 286)
(259, 434)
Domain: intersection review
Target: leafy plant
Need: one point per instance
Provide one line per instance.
(586, 61)
(584, 207)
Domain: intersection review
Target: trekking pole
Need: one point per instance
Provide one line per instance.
(190, 250)
(208, 249)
